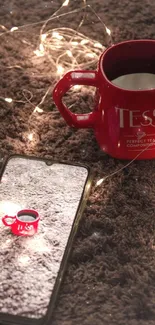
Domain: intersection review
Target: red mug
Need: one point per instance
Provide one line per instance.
(123, 119)
(25, 223)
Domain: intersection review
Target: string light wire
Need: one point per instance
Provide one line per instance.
(65, 48)
(101, 180)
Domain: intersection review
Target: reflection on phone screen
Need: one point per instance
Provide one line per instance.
(29, 265)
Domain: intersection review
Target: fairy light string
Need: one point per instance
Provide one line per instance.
(101, 180)
(65, 48)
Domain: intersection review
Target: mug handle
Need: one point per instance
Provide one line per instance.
(5, 222)
(70, 79)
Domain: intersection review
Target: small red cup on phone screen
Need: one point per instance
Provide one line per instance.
(24, 223)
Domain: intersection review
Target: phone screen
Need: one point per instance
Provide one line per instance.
(29, 265)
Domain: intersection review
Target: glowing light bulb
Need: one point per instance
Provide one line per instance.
(41, 47)
(57, 35)
(99, 182)
(13, 29)
(8, 100)
(69, 53)
(74, 43)
(60, 69)
(38, 53)
(84, 42)
(3, 27)
(98, 45)
(43, 37)
(91, 55)
(66, 3)
(76, 87)
(30, 136)
(108, 31)
(38, 110)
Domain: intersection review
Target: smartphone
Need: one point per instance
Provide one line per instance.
(32, 266)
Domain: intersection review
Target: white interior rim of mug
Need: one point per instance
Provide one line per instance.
(28, 212)
(106, 52)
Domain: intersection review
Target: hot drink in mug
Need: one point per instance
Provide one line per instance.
(24, 223)
(123, 118)
(135, 81)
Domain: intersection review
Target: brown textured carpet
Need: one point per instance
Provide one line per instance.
(110, 277)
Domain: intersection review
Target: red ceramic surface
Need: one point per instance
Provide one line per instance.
(123, 120)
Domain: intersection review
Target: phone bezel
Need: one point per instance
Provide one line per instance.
(6, 319)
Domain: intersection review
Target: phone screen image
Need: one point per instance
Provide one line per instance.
(29, 265)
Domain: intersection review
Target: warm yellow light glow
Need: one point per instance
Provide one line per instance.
(74, 43)
(108, 31)
(43, 37)
(68, 50)
(13, 29)
(41, 47)
(60, 69)
(3, 27)
(38, 53)
(66, 3)
(99, 182)
(57, 35)
(30, 136)
(38, 110)
(98, 45)
(8, 100)
(77, 87)
(8, 207)
(69, 53)
(91, 55)
(84, 42)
